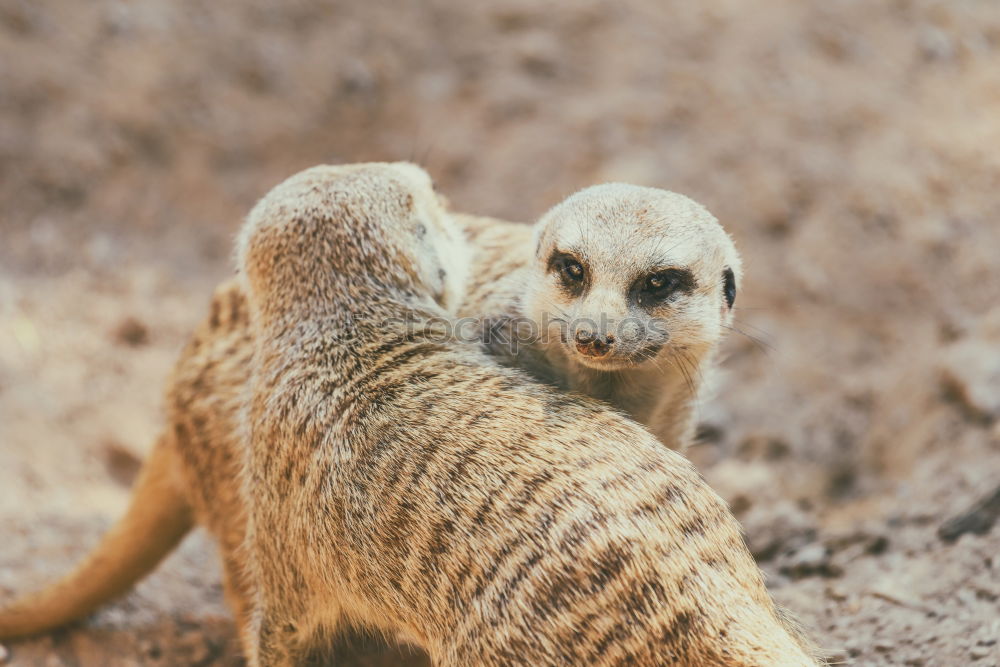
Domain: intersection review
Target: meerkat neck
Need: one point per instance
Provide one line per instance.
(350, 308)
(662, 394)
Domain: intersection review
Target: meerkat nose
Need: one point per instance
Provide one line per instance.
(593, 345)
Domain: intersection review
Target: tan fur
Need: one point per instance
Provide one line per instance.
(205, 445)
(405, 482)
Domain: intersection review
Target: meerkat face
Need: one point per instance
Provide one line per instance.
(624, 275)
(443, 259)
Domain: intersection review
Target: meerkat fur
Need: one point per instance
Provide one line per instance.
(400, 480)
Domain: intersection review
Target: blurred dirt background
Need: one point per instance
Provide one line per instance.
(850, 147)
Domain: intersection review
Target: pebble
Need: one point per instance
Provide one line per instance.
(935, 44)
(132, 332)
(4, 653)
(978, 652)
(971, 367)
(777, 527)
(884, 646)
(835, 593)
(744, 484)
(811, 560)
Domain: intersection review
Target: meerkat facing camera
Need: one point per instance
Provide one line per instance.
(398, 479)
(619, 292)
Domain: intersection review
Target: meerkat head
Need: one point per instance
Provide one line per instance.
(623, 274)
(332, 231)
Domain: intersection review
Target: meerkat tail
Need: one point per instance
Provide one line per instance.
(158, 517)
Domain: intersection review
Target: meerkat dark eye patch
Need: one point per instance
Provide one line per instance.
(569, 270)
(729, 286)
(659, 286)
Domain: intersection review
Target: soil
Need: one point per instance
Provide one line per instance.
(850, 148)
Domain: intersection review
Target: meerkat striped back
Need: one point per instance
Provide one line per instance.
(400, 480)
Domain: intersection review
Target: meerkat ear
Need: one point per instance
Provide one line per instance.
(729, 286)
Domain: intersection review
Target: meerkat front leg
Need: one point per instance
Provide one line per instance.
(270, 644)
(277, 641)
(287, 625)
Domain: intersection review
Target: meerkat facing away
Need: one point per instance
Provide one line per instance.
(398, 479)
(619, 292)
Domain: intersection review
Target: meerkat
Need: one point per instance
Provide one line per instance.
(619, 292)
(189, 478)
(403, 481)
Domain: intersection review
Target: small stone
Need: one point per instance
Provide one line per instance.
(884, 646)
(743, 484)
(869, 539)
(709, 433)
(539, 55)
(358, 78)
(877, 545)
(971, 367)
(978, 652)
(979, 519)
(835, 594)
(764, 446)
(781, 527)
(810, 560)
(132, 332)
(122, 464)
(837, 656)
(4, 653)
(935, 44)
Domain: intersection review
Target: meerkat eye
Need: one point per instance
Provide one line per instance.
(658, 281)
(569, 269)
(572, 270)
(662, 285)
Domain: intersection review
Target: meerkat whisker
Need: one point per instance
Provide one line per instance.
(763, 345)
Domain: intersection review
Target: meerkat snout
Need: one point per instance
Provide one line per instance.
(592, 344)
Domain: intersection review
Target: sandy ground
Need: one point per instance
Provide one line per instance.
(850, 147)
